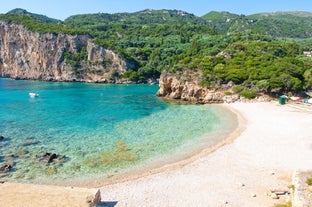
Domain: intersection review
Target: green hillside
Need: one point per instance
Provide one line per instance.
(262, 52)
(219, 16)
(151, 40)
(39, 17)
(294, 24)
(220, 21)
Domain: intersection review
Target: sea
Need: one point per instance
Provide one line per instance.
(77, 131)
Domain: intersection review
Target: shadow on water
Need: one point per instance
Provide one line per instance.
(107, 204)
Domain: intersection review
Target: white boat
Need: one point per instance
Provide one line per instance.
(33, 95)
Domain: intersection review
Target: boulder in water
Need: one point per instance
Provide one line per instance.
(5, 168)
(48, 157)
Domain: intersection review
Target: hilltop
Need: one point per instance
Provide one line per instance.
(43, 18)
(291, 24)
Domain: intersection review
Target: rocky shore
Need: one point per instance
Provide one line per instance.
(188, 88)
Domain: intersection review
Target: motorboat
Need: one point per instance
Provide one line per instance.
(33, 95)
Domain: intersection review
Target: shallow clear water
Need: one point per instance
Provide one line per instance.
(96, 129)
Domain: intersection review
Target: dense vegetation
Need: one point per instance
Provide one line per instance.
(149, 40)
(39, 17)
(261, 52)
(34, 24)
(265, 66)
(39, 23)
(278, 24)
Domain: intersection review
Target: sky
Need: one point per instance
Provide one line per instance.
(61, 9)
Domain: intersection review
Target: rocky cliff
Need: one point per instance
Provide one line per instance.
(25, 54)
(187, 87)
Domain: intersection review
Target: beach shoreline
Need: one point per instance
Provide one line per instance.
(241, 172)
(178, 158)
(171, 162)
(258, 156)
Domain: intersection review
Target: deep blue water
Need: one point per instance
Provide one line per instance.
(95, 129)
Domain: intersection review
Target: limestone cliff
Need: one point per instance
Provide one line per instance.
(25, 54)
(187, 87)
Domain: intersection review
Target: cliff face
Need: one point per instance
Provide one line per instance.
(55, 57)
(187, 88)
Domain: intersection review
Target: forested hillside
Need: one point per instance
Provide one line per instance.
(39, 17)
(150, 40)
(277, 24)
(262, 52)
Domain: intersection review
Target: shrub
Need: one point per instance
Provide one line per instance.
(187, 60)
(205, 83)
(249, 94)
(237, 89)
(309, 181)
(115, 74)
(227, 93)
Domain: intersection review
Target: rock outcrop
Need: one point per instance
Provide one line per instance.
(302, 195)
(25, 54)
(187, 87)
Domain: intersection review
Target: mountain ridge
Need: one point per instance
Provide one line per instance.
(40, 17)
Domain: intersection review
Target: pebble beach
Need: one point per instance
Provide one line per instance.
(271, 142)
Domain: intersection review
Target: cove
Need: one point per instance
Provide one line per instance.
(97, 130)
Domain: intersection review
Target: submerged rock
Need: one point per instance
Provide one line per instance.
(48, 157)
(9, 157)
(5, 168)
(30, 142)
(1, 137)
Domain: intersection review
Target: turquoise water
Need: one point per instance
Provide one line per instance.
(96, 129)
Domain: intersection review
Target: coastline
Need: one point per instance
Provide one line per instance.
(258, 156)
(168, 162)
(241, 173)
(175, 161)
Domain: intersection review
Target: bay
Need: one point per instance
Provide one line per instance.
(96, 129)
